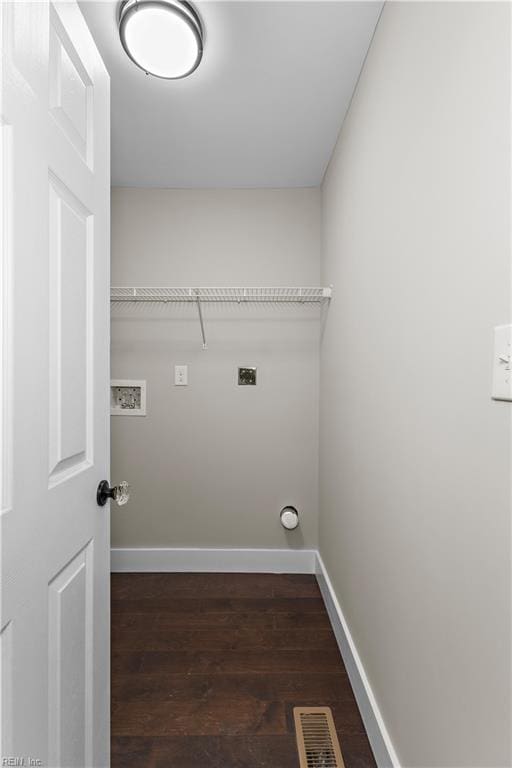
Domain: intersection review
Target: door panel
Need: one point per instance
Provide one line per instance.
(70, 263)
(54, 437)
(6, 686)
(70, 663)
(71, 89)
(6, 266)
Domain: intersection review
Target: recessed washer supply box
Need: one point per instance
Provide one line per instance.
(127, 397)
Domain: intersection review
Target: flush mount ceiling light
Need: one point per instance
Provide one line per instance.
(162, 37)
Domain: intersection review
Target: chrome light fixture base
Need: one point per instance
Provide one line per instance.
(182, 10)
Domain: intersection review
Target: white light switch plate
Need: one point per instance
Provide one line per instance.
(181, 375)
(502, 363)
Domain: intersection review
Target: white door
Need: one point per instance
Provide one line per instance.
(54, 435)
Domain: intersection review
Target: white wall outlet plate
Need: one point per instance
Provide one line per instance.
(502, 363)
(181, 375)
(127, 397)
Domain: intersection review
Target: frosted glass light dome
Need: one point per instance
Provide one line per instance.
(162, 37)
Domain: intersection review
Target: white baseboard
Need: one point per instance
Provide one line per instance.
(378, 736)
(214, 560)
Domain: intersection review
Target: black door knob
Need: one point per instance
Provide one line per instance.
(119, 493)
(104, 493)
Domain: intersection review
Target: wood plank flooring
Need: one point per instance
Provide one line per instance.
(206, 670)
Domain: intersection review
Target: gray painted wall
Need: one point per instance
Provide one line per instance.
(415, 456)
(213, 463)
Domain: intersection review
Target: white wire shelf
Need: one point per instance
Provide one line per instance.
(266, 294)
(285, 294)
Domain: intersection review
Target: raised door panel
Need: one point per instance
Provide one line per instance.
(71, 90)
(70, 623)
(24, 46)
(6, 344)
(70, 231)
(6, 690)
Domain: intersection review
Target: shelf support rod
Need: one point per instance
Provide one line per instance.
(200, 311)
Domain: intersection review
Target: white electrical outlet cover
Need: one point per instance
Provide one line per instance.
(181, 375)
(502, 363)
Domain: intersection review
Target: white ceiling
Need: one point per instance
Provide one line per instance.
(263, 109)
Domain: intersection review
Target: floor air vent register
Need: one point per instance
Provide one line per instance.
(317, 742)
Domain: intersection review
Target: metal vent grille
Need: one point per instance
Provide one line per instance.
(317, 742)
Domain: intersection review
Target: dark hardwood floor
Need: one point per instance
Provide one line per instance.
(206, 670)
